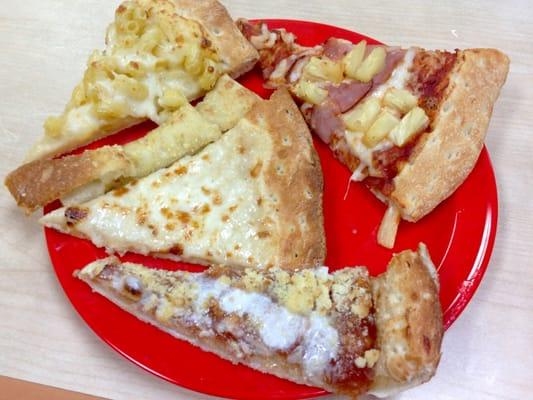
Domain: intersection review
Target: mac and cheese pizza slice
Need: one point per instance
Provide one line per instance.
(159, 55)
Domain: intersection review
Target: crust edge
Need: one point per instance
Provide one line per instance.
(450, 151)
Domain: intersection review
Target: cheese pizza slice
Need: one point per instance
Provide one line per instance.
(252, 198)
(159, 54)
(81, 177)
(409, 123)
(342, 331)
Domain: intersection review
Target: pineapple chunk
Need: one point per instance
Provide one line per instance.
(400, 99)
(372, 65)
(385, 123)
(353, 59)
(323, 69)
(310, 92)
(413, 122)
(361, 117)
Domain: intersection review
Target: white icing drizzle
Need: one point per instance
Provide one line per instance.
(312, 338)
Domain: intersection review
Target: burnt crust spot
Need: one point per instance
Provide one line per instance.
(75, 214)
(176, 249)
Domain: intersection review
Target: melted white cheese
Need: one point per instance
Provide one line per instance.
(164, 210)
(364, 153)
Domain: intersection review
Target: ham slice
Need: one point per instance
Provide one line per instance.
(347, 94)
(394, 56)
(325, 120)
(337, 48)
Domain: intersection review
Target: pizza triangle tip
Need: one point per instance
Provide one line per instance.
(252, 198)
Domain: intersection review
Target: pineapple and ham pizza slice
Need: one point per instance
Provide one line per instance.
(81, 177)
(159, 54)
(343, 331)
(252, 198)
(409, 123)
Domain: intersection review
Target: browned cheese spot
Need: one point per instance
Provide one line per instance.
(225, 218)
(205, 157)
(181, 170)
(263, 234)
(205, 190)
(217, 199)
(120, 191)
(183, 216)
(165, 211)
(205, 209)
(154, 229)
(170, 227)
(141, 216)
(232, 208)
(254, 172)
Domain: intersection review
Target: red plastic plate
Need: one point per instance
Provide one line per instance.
(459, 234)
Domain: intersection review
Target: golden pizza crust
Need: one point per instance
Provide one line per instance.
(238, 55)
(445, 157)
(227, 103)
(41, 181)
(300, 218)
(408, 322)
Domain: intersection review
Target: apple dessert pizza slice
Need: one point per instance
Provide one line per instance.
(409, 123)
(342, 331)
(81, 177)
(159, 54)
(252, 198)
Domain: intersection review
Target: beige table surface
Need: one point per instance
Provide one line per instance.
(487, 353)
